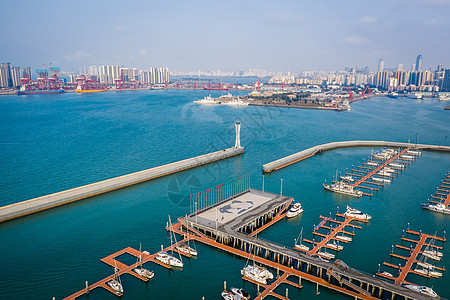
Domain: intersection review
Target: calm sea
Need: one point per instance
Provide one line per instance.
(56, 142)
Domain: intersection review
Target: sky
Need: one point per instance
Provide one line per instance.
(225, 35)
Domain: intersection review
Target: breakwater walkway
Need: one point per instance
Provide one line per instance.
(296, 157)
(35, 205)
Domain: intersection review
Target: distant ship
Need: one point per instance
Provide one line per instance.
(43, 85)
(85, 85)
(38, 92)
(414, 95)
(393, 95)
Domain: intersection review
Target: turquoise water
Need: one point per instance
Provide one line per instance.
(52, 143)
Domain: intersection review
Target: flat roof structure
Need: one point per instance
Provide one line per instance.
(238, 210)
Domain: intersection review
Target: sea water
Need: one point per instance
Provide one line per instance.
(49, 143)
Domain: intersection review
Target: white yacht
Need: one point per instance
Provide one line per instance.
(228, 295)
(439, 207)
(433, 254)
(384, 173)
(407, 157)
(235, 102)
(343, 188)
(254, 274)
(300, 246)
(347, 178)
(383, 180)
(241, 293)
(444, 98)
(295, 210)
(372, 163)
(207, 100)
(421, 289)
(168, 259)
(388, 170)
(326, 255)
(428, 272)
(343, 238)
(354, 213)
(141, 271)
(386, 274)
(414, 95)
(418, 153)
(186, 249)
(395, 165)
(115, 283)
(335, 246)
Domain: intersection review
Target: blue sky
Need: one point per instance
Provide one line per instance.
(226, 35)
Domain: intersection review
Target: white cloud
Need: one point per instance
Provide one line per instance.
(120, 28)
(436, 21)
(78, 55)
(355, 40)
(368, 20)
(142, 52)
(283, 17)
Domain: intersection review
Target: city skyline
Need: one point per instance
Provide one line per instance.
(286, 36)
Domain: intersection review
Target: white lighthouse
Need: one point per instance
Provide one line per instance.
(238, 137)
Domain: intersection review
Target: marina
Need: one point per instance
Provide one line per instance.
(441, 199)
(379, 164)
(426, 240)
(288, 160)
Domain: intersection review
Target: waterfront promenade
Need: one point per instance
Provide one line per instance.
(35, 205)
(291, 159)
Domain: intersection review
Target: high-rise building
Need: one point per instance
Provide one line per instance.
(445, 86)
(15, 76)
(419, 60)
(400, 67)
(5, 75)
(26, 72)
(381, 65)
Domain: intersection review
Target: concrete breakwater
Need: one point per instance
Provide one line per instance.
(288, 160)
(35, 205)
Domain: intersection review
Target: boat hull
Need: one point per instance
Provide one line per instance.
(40, 92)
(90, 91)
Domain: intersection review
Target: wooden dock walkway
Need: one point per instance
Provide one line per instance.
(411, 259)
(123, 269)
(376, 169)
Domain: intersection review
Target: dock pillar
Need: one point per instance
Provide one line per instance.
(287, 293)
(87, 287)
(224, 286)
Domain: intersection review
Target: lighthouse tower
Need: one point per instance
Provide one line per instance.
(238, 133)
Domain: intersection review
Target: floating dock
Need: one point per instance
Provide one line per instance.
(229, 225)
(384, 165)
(288, 160)
(442, 195)
(123, 269)
(411, 259)
(332, 235)
(35, 205)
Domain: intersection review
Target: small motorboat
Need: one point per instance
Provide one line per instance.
(421, 289)
(184, 248)
(354, 213)
(241, 293)
(335, 246)
(295, 210)
(343, 238)
(115, 283)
